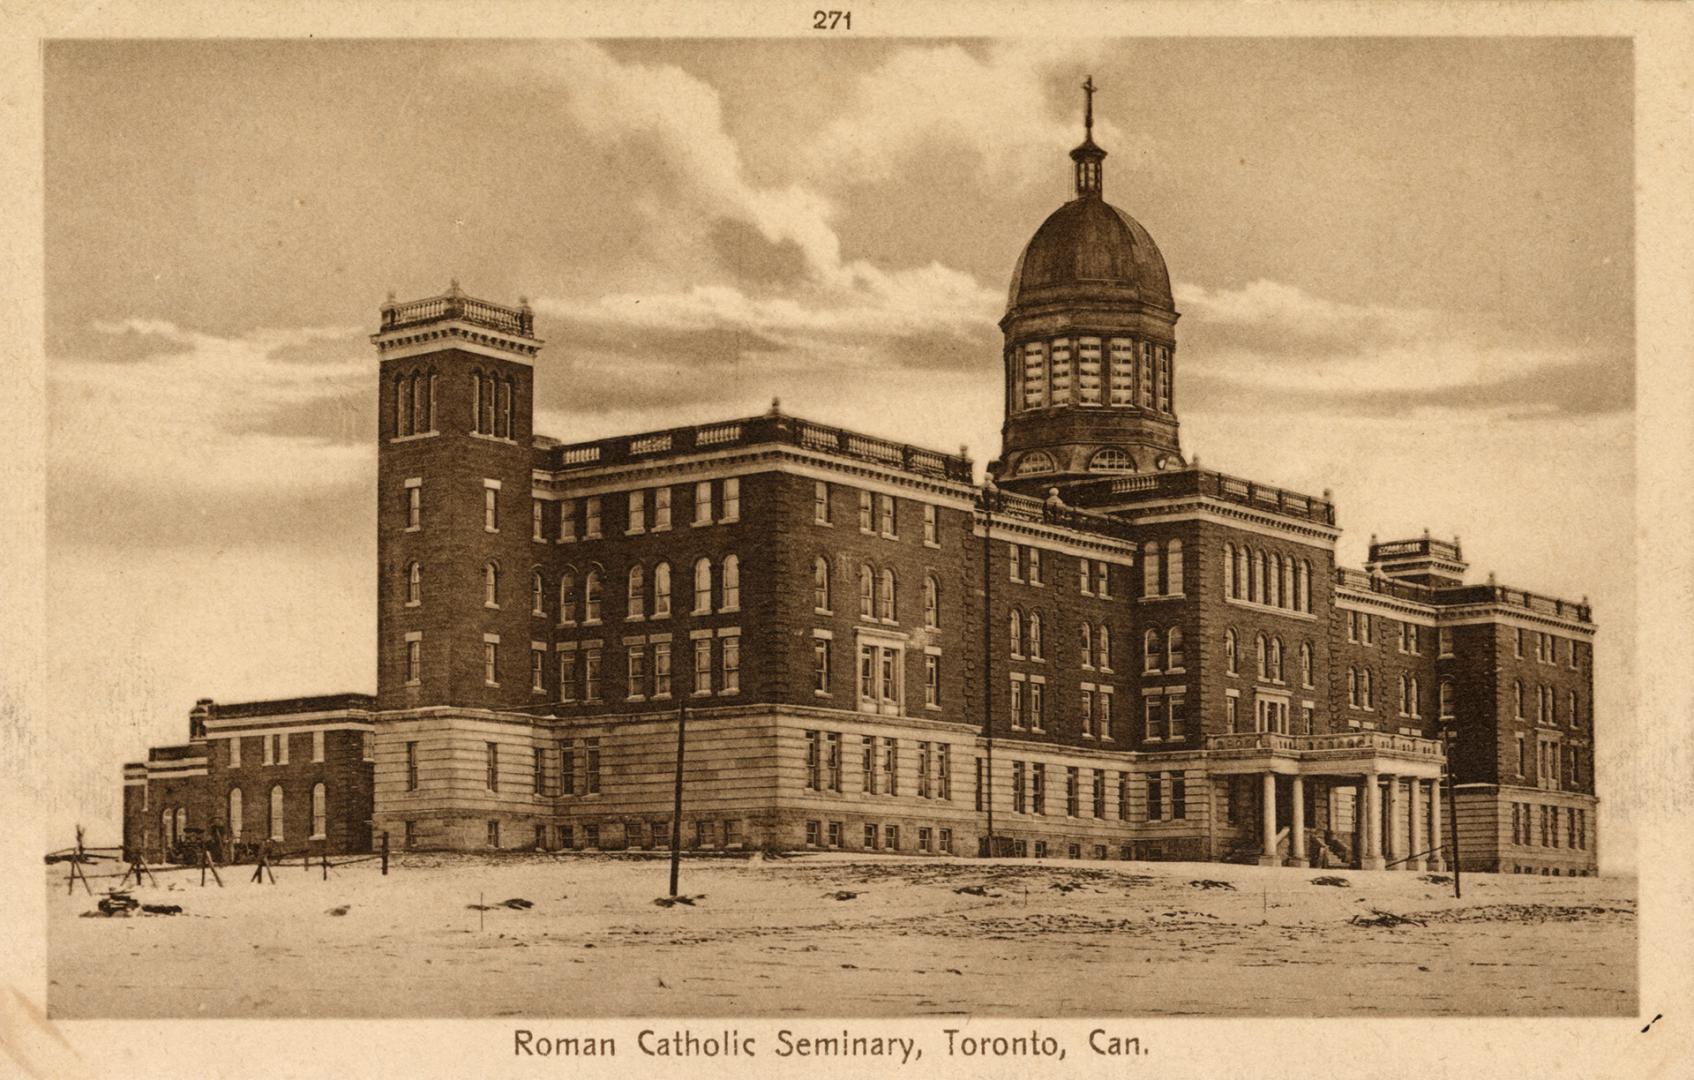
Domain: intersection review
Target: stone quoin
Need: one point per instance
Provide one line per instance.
(1168, 660)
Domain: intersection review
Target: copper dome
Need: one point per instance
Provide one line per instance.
(1089, 249)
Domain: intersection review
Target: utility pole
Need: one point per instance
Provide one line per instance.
(676, 812)
(1452, 811)
(988, 653)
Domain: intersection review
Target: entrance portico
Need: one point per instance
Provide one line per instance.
(1388, 773)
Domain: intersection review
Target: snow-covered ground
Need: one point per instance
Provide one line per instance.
(771, 938)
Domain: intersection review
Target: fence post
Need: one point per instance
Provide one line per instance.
(385, 854)
(326, 862)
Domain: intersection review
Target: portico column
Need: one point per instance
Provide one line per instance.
(1414, 815)
(1297, 830)
(1390, 810)
(1439, 860)
(1267, 856)
(1372, 858)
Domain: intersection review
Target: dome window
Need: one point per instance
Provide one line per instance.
(1111, 459)
(1031, 464)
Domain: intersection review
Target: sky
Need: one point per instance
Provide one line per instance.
(1404, 267)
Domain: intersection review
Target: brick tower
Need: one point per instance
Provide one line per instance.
(455, 449)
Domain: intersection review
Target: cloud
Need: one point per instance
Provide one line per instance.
(992, 103)
(1272, 342)
(205, 421)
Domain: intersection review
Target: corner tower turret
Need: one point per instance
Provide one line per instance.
(1090, 343)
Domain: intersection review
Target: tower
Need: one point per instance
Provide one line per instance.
(1090, 343)
(454, 457)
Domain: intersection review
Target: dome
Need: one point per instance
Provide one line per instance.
(1089, 249)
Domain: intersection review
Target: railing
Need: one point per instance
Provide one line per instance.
(1521, 598)
(1439, 549)
(753, 431)
(1359, 581)
(1008, 504)
(283, 706)
(454, 304)
(1372, 741)
(1110, 491)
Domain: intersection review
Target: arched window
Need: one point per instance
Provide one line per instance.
(1038, 462)
(503, 410)
(661, 590)
(1305, 664)
(1230, 649)
(1111, 459)
(1288, 595)
(885, 596)
(1177, 658)
(1262, 587)
(1229, 571)
(402, 406)
(166, 821)
(1517, 699)
(181, 823)
(820, 583)
(417, 394)
(487, 427)
(731, 583)
(1353, 687)
(567, 595)
(1103, 642)
(506, 400)
(637, 592)
(1276, 658)
(867, 591)
(591, 584)
(1366, 691)
(1243, 575)
(1015, 624)
(414, 583)
(1173, 568)
(537, 594)
(1305, 586)
(702, 586)
(476, 403)
(427, 423)
(235, 815)
(1087, 645)
(320, 812)
(1037, 647)
(1446, 702)
(931, 603)
(276, 812)
(1152, 649)
(1261, 653)
(1412, 705)
(1405, 702)
(490, 585)
(1149, 569)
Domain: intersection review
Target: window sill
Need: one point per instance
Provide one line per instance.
(824, 524)
(635, 532)
(635, 618)
(491, 607)
(593, 536)
(413, 528)
(565, 540)
(414, 437)
(736, 610)
(659, 616)
(486, 529)
(932, 544)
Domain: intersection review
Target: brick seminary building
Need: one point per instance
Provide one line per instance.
(1104, 652)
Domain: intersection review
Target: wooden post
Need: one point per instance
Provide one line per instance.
(326, 862)
(676, 812)
(385, 854)
(1452, 814)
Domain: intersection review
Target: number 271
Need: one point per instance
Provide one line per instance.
(832, 20)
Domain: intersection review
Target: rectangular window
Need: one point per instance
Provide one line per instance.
(832, 760)
(410, 838)
(317, 746)
(1017, 704)
(1061, 367)
(1073, 792)
(820, 665)
(591, 675)
(235, 752)
(885, 506)
(1037, 708)
(411, 766)
(536, 513)
(637, 672)
(924, 841)
(730, 652)
(1179, 717)
(414, 505)
(946, 841)
(538, 776)
(493, 765)
(1034, 574)
(835, 834)
(567, 770)
(567, 676)
(490, 661)
(1444, 641)
(820, 502)
(591, 518)
(1155, 719)
(923, 770)
(1016, 554)
(702, 665)
(1103, 713)
(1179, 796)
(662, 669)
(567, 520)
(661, 509)
(891, 766)
(731, 500)
(1088, 380)
(867, 520)
(932, 680)
(591, 837)
(867, 765)
(943, 771)
(1035, 375)
(637, 512)
(1102, 580)
(1099, 793)
(1038, 788)
(812, 833)
(491, 505)
(1019, 802)
(414, 661)
(1146, 375)
(1517, 643)
(703, 502)
(493, 834)
(1123, 371)
(1123, 796)
(980, 791)
(814, 761)
(1087, 712)
(929, 527)
(281, 749)
(1155, 797)
(537, 670)
(591, 785)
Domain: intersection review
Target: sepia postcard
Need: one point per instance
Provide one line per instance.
(984, 540)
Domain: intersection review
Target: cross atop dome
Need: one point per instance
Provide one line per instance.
(1088, 156)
